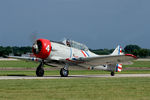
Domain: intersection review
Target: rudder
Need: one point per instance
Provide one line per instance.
(118, 51)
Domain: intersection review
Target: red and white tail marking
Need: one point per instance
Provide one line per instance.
(119, 68)
(118, 51)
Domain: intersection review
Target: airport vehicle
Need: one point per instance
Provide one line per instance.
(69, 52)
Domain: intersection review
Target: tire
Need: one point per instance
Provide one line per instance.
(64, 73)
(40, 72)
(112, 73)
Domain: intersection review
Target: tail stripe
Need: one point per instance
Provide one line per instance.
(87, 53)
(83, 53)
(119, 68)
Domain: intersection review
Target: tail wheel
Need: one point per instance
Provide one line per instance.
(40, 72)
(64, 72)
(112, 73)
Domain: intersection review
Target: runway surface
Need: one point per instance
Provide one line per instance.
(73, 76)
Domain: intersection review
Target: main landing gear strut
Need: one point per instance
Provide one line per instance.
(40, 70)
(64, 72)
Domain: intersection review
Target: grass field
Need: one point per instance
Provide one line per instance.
(76, 89)
(24, 64)
(139, 64)
(73, 89)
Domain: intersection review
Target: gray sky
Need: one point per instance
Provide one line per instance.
(96, 23)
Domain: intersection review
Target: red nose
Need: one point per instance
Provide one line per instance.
(42, 48)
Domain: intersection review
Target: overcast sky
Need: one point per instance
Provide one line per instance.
(96, 23)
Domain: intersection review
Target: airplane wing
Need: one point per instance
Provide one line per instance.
(101, 60)
(89, 61)
(26, 58)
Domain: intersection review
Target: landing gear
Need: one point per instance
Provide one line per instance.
(112, 73)
(64, 71)
(40, 70)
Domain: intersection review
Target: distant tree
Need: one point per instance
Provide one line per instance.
(148, 52)
(143, 53)
(8, 50)
(102, 51)
(17, 51)
(1, 51)
(132, 49)
(136, 52)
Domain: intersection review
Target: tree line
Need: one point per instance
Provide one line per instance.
(16, 51)
(129, 49)
(137, 51)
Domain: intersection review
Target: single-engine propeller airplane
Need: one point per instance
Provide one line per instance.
(69, 52)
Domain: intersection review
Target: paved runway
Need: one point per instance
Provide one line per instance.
(73, 76)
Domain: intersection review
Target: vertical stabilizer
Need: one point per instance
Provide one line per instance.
(118, 51)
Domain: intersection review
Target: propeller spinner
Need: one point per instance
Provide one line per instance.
(41, 48)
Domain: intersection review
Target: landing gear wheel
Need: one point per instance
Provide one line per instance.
(112, 73)
(64, 72)
(40, 72)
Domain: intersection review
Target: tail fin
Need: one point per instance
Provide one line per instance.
(118, 67)
(118, 51)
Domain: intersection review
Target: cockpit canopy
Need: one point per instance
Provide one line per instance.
(74, 44)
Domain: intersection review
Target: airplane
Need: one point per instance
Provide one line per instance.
(71, 53)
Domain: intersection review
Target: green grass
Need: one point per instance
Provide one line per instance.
(24, 64)
(76, 89)
(71, 72)
(18, 63)
(139, 64)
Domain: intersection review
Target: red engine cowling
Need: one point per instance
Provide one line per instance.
(41, 48)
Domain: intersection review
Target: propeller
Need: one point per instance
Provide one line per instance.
(37, 46)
